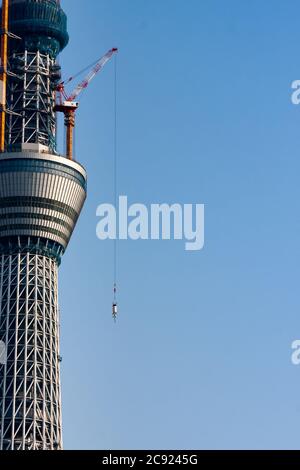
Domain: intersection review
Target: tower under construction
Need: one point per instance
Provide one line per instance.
(41, 197)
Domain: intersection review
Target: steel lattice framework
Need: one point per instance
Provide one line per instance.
(41, 196)
(31, 98)
(29, 326)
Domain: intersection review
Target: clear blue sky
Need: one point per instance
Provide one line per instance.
(200, 356)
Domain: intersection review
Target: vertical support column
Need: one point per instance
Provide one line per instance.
(38, 92)
(23, 98)
(3, 77)
(44, 354)
(25, 384)
(70, 124)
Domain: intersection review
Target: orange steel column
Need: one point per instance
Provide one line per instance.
(70, 124)
(3, 76)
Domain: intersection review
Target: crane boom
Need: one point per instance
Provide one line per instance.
(96, 69)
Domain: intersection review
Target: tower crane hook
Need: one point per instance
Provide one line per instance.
(115, 304)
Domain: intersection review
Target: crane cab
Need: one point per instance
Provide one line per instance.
(71, 104)
(66, 106)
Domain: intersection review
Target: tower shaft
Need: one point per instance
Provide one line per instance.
(41, 196)
(29, 326)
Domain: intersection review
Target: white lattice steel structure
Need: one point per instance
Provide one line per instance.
(29, 323)
(41, 197)
(31, 98)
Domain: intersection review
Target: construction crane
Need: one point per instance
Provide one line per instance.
(115, 303)
(68, 103)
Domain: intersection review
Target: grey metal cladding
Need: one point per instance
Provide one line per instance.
(41, 195)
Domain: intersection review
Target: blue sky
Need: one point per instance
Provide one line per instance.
(200, 355)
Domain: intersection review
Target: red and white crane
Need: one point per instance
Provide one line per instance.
(67, 103)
